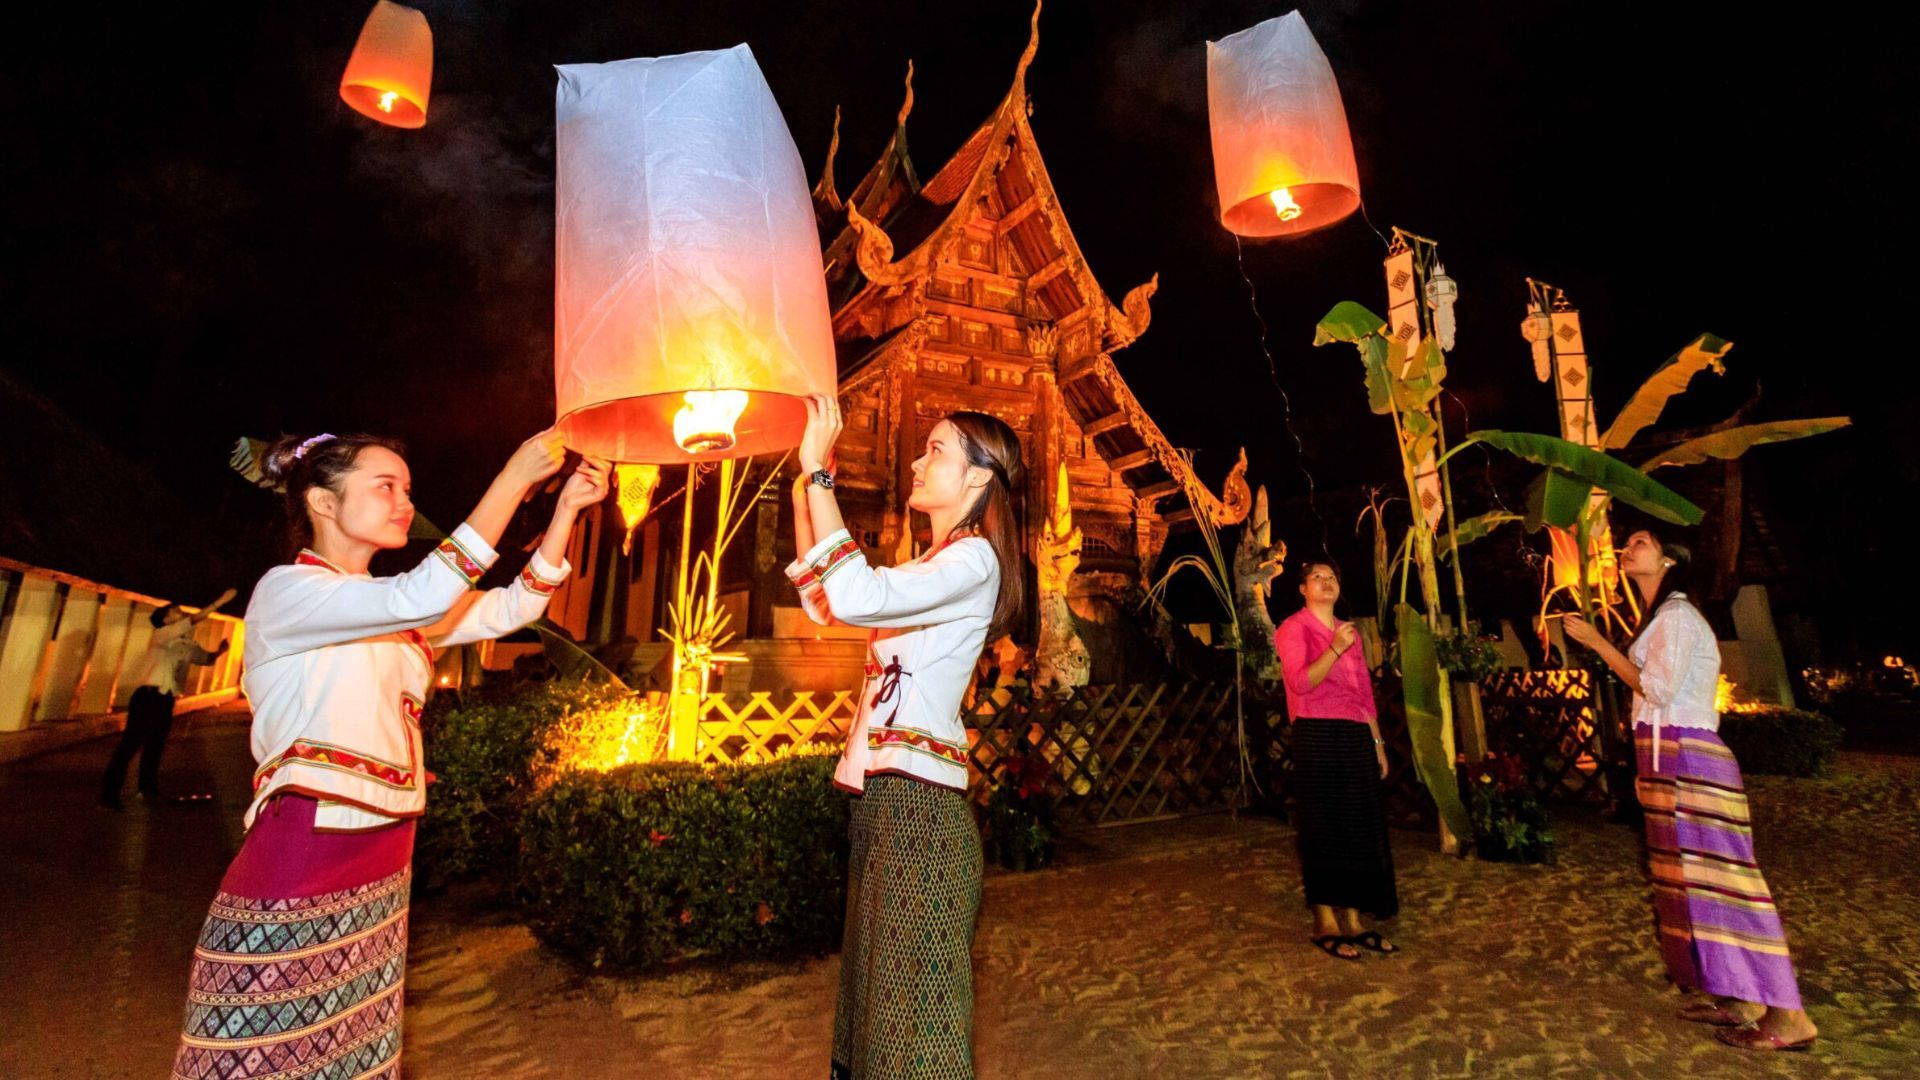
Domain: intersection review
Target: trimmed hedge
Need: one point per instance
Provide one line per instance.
(1781, 741)
(485, 746)
(653, 862)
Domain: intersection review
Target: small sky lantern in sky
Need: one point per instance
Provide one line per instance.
(1282, 158)
(390, 73)
(690, 306)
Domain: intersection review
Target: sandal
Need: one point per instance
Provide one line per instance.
(1751, 1036)
(1373, 941)
(1709, 1012)
(1330, 944)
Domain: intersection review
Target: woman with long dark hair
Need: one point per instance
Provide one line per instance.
(301, 964)
(905, 1007)
(1339, 759)
(1720, 934)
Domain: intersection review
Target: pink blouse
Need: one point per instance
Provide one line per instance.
(1347, 691)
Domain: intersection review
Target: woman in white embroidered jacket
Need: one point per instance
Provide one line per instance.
(301, 962)
(1720, 933)
(905, 1006)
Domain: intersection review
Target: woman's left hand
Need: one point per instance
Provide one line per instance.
(1580, 630)
(823, 430)
(586, 487)
(1380, 752)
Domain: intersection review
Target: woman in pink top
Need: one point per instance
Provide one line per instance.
(1338, 762)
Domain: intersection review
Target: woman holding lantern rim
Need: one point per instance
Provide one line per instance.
(905, 1006)
(301, 964)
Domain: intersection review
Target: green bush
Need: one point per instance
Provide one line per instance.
(1781, 741)
(486, 746)
(659, 861)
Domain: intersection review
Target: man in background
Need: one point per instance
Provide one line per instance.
(162, 674)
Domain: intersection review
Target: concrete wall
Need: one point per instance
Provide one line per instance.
(71, 647)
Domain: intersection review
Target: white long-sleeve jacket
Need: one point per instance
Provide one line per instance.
(1679, 663)
(929, 620)
(338, 666)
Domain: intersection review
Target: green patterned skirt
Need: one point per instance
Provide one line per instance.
(906, 966)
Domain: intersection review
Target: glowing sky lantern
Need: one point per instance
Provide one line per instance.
(1282, 158)
(690, 307)
(390, 72)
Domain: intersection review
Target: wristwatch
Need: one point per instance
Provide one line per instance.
(821, 478)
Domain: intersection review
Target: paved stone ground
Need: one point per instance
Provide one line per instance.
(1163, 950)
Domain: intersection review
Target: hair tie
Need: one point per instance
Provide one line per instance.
(301, 451)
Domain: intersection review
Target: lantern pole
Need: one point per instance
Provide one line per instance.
(684, 709)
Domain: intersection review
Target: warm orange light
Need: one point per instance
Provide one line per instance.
(1723, 695)
(704, 425)
(709, 345)
(390, 74)
(1283, 160)
(446, 680)
(611, 739)
(1283, 204)
(1893, 662)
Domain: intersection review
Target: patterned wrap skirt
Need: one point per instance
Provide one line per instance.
(301, 964)
(906, 966)
(1340, 815)
(1719, 931)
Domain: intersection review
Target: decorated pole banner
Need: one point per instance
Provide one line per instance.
(690, 305)
(1403, 328)
(1282, 156)
(1552, 327)
(390, 74)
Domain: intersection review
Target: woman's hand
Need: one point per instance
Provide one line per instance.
(1580, 630)
(536, 459)
(586, 487)
(1344, 636)
(1380, 752)
(823, 430)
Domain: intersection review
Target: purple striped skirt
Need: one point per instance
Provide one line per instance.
(1719, 931)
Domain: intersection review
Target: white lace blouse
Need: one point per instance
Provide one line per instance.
(1679, 663)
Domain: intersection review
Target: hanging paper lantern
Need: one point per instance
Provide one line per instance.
(390, 72)
(1282, 158)
(690, 307)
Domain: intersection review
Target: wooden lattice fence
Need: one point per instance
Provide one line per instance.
(1549, 719)
(1119, 753)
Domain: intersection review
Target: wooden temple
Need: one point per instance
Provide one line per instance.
(963, 291)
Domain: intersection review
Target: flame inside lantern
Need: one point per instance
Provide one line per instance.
(704, 424)
(386, 100)
(1283, 204)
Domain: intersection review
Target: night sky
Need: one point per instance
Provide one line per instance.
(203, 241)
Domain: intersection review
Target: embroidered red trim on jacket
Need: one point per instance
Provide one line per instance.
(463, 564)
(536, 584)
(835, 557)
(880, 737)
(335, 757)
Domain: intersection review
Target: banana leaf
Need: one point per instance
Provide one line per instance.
(1669, 379)
(1354, 324)
(568, 658)
(1474, 528)
(1733, 442)
(1557, 499)
(1426, 725)
(1572, 466)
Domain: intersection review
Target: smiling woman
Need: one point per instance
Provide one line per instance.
(302, 959)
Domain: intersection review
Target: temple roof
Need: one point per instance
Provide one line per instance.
(891, 212)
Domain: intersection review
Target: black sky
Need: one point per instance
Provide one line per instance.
(202, 241)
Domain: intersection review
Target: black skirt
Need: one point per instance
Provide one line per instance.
(1341, 818)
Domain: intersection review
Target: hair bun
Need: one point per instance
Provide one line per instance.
(281, 455)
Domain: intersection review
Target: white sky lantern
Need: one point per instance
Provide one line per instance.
(690, 307)
(1282, 158)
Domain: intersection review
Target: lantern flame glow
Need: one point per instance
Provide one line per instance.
(386, 100)
(1283, 204)
(704, 425)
